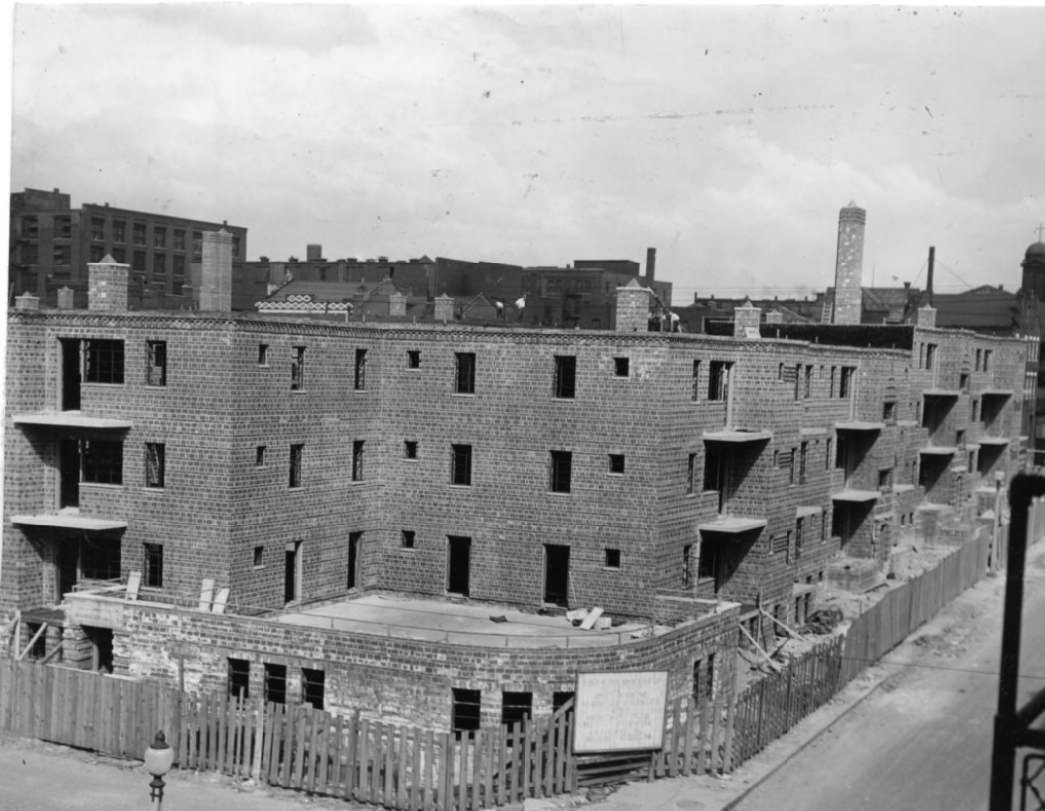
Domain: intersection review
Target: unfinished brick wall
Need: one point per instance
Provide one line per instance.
(402, 680)
(229, 514)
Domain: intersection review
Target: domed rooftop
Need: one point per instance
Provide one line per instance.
(1036, 251)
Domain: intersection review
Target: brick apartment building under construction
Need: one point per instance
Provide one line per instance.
(668, 478)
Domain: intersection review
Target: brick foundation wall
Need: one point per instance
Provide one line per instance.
(401, 680)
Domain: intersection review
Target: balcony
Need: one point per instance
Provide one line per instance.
(69, 519)
(737, 435)
(859, 425)
(853, 496)
(732, 525)
(71, 419)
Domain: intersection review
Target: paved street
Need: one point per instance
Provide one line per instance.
(42, 777)
(923, 739)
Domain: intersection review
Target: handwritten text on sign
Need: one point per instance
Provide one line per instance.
(617, 712)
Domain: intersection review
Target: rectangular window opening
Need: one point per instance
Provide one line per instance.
(275, 683)
(413, 359)
(360, 372)
(718, 380)
(297, 369)
(259, 455)
(259, 557)
(695, 394)
(313, 687)
(516, 707)
(621, 367)
(156, 370)
(461, 465)
(153, 575)
(617, 463)
(565, 377)
(464, 378)
(239, 678)
(357, 460)
(410, 449)
(263, 354)
(297, 453)
(561, 463)
(407, 539)
(155, 453)
(102, 461)
(104, 361)
(466, 704)
(612, 559)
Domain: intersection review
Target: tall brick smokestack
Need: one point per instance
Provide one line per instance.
(651, 265)
(849, 264)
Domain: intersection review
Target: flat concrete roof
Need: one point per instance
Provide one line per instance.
(435, 620)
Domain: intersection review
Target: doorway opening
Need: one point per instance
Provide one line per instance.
(556, 574)
(459, 563)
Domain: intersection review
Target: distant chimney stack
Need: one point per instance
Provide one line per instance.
(216, 272)
(929, 274)
(746, 320)
(444, 308)
(314, 252)
(65, 298)
(651, 266)
(849, 262)
(27, 303)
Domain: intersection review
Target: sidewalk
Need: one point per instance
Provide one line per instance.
(720, 793)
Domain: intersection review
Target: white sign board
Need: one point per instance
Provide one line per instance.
(619, 712)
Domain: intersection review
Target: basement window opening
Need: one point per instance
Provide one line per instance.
(313, 687)
(239, 678)
(516, 707)
(275, 683)
(466, 704)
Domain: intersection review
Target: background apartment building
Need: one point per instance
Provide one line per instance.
(52, 243)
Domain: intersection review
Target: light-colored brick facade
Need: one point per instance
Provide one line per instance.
(672, 467)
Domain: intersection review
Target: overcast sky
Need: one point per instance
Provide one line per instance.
(727, 138)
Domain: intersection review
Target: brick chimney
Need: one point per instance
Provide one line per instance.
(397, 304)
(27, 303)
(444, 308)
(927, 316)
(633, 303)
(849, 263)
(65, 298)
(216, 272)
(651, 266)
(314, 252)
(107, 285)
(746, 319)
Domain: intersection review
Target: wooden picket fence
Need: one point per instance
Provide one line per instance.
(114, 716)
(768, 708)
(902, 610)
(399, 767)
(413, 769)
